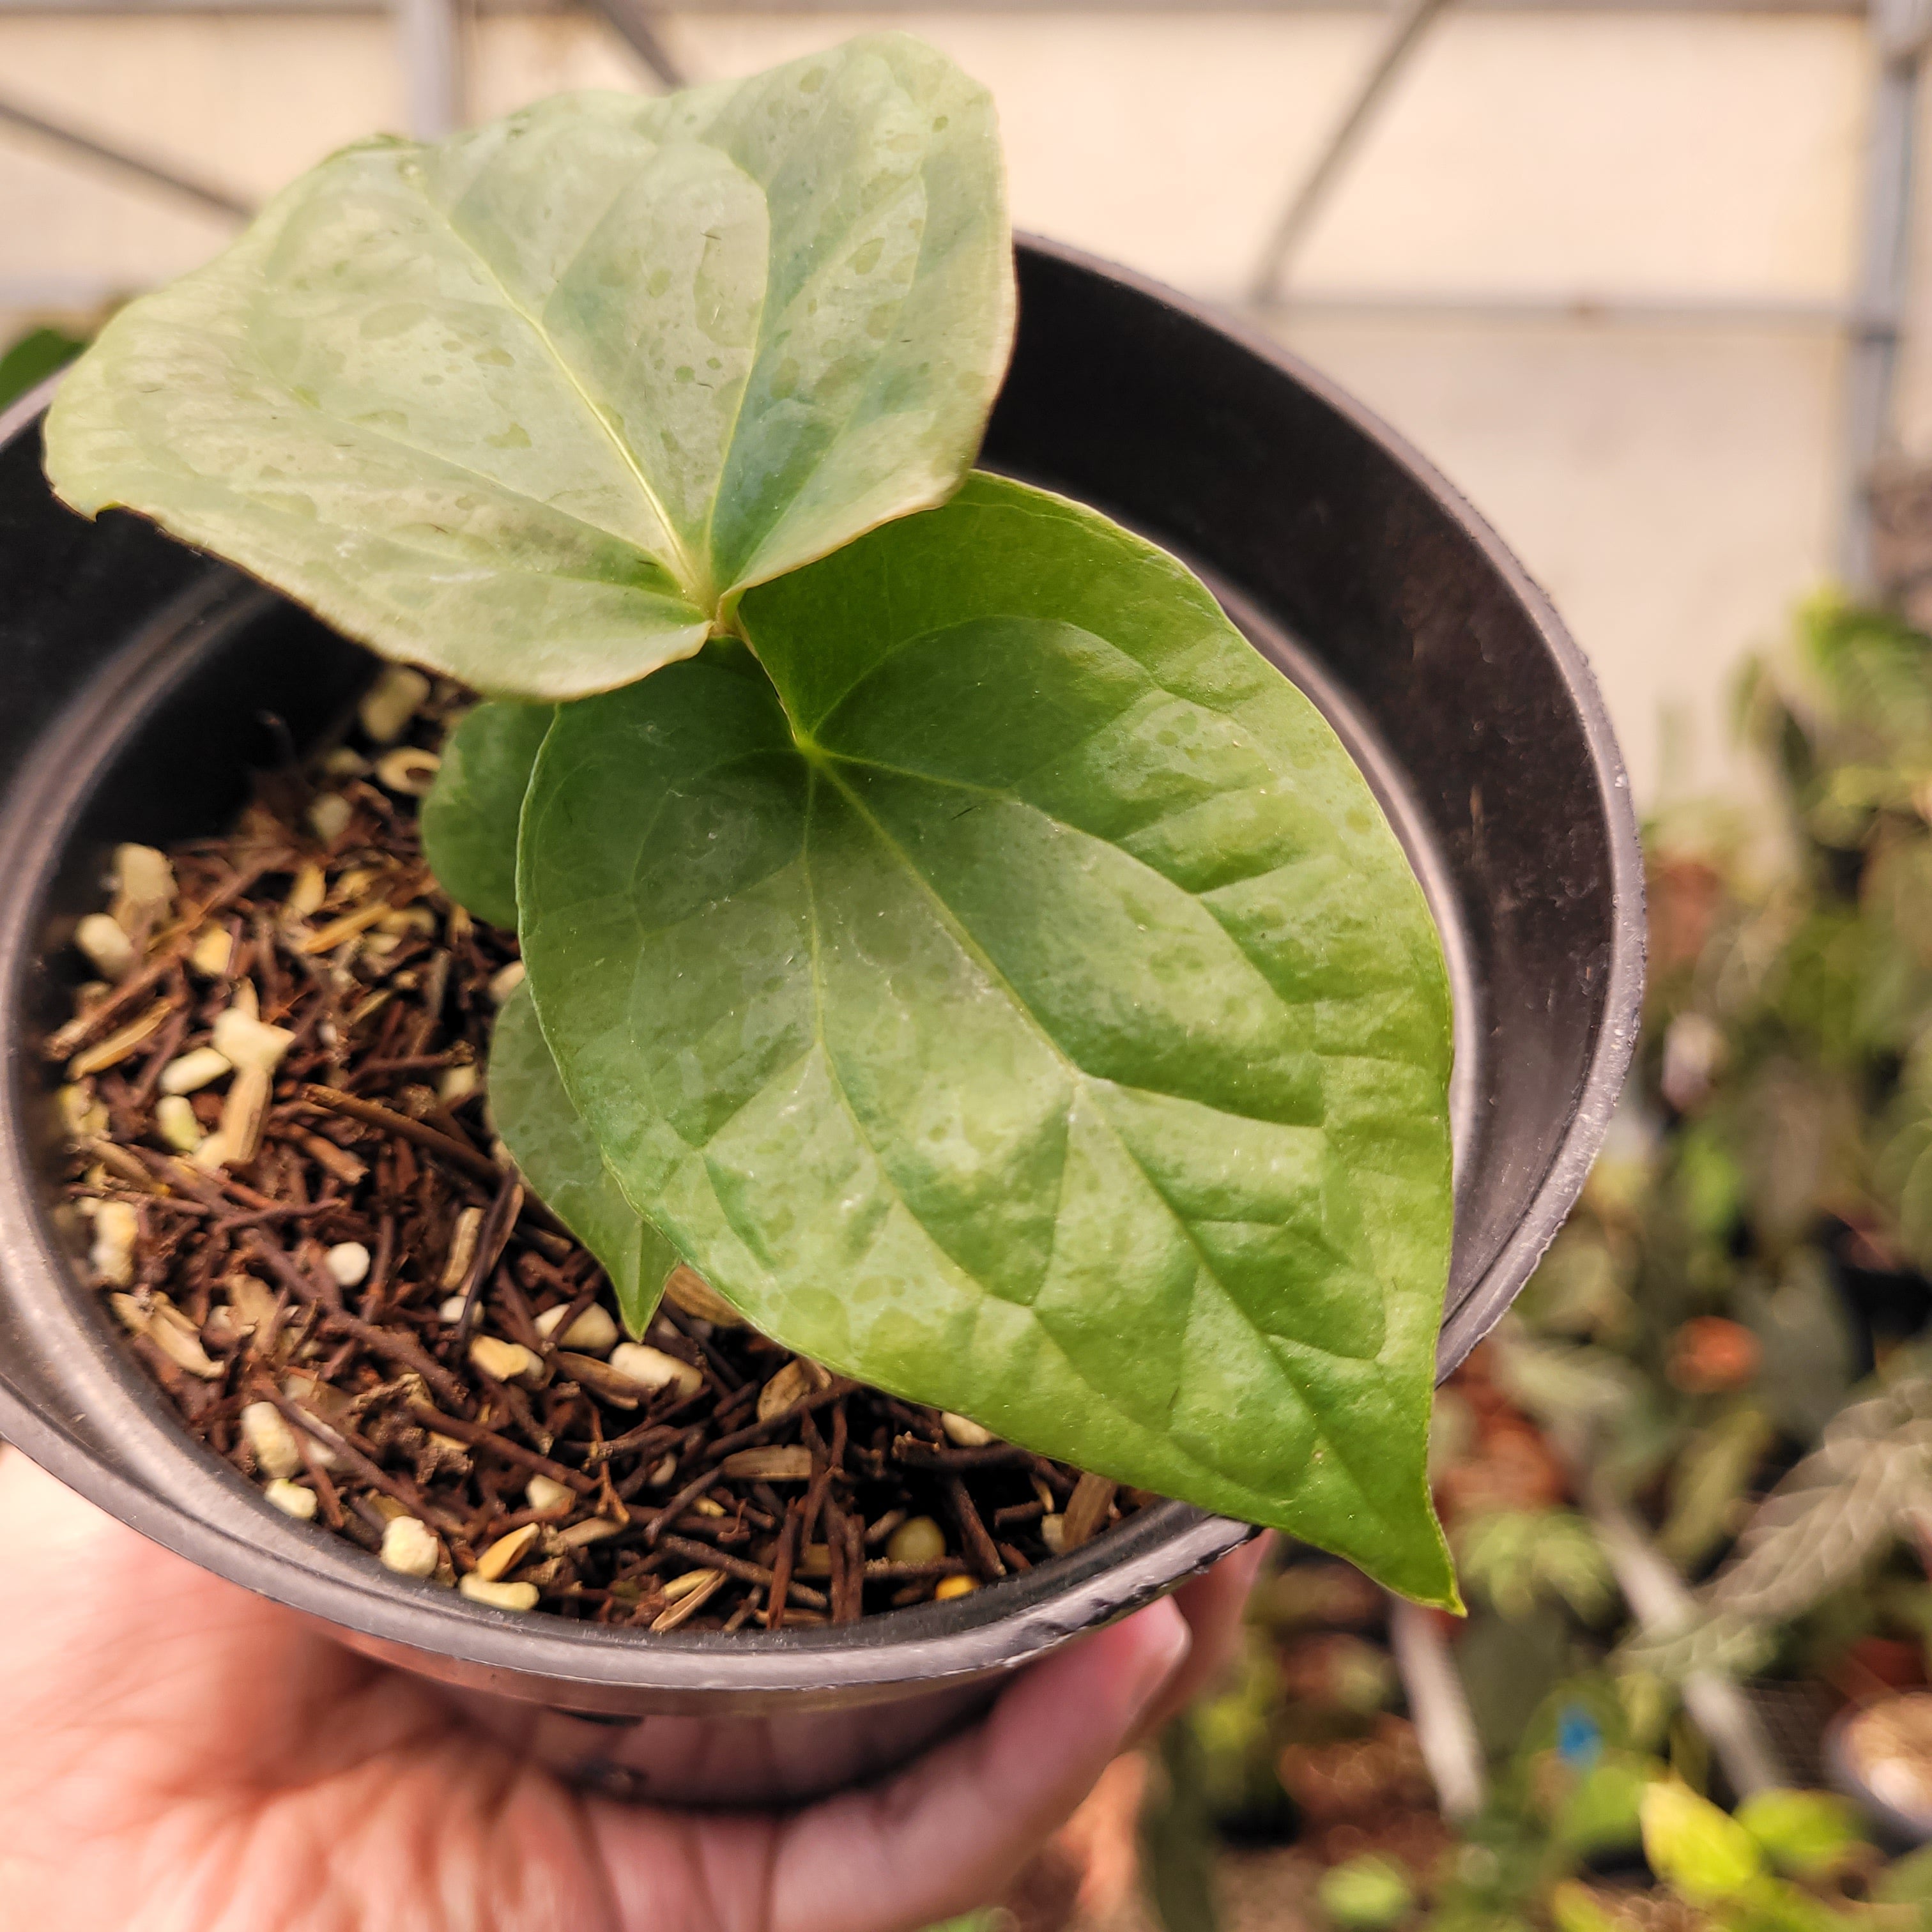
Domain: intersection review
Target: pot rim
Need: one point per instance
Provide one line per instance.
(993, 1629)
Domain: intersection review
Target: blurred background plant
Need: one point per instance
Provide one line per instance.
(33, 357)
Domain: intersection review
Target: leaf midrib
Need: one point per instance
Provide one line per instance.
(823, 1047)
(1081, 1081)
(372, 431)
(497, 483)
(694, 582)
(796, 504)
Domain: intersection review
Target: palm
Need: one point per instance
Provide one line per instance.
(181, 1757)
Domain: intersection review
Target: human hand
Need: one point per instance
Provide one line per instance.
(180, 1756)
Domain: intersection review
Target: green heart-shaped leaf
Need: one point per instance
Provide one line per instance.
(469, 820)
(557, 1154)
(1017, 1000)
(531, 407)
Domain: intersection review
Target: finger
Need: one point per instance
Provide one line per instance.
(106, 1630)
(89, 1631)
(181, 1753)
(1213, 1604)
(947, 1835)
(83, 1585)
(52, 1527)
(941, 1837)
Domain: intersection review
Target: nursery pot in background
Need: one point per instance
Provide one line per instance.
(140, 681)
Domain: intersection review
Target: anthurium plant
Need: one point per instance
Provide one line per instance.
(943, 930)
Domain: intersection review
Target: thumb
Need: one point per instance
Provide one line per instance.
(942, 1836)
(947, 1834)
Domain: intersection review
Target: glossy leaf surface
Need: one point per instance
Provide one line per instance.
(531, 406)
(469, 818)
(1016, 999)
(557, 1155)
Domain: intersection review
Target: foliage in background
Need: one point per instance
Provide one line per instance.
(32, 358)
(1754, 1243)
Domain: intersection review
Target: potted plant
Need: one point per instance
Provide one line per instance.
(948, 941)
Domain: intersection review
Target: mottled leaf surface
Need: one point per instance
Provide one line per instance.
(1005, 989)
(557, 1155)
(469, 818)
(532, 406)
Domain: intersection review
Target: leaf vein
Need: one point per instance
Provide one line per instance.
(629, 456)
(1083, 1079)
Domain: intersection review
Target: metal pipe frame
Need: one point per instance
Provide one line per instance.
(635, 24)
(1408, 21)
(1582, 307)
(429, 49)
(1899, 32)
(143, 167)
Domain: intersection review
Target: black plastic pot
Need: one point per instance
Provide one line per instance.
(134, 676)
